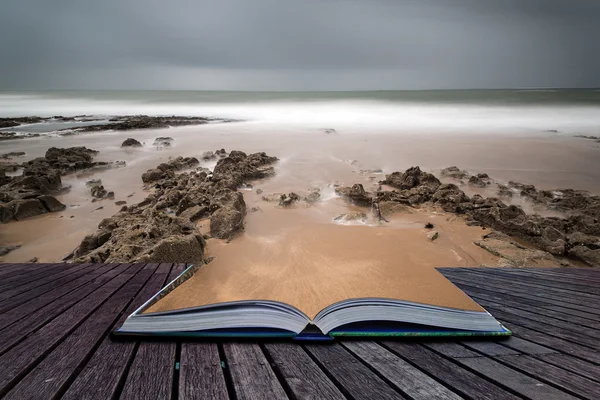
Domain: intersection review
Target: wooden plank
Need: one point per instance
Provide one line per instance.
(251, 373)
(541, 280)
(550, 317)
(21, 358)
(514, 283)
(450, 349)
(17, 296)
(526, 347)
(201, 374)
(18, 331)
(300, 373)
(51, 376)
(21, 270)
(24, 310)
(547, 327)
(522, 384)
(580, 367)
(459, 379)
(566, 314)
(489, 348)
(27, 277)
(401, 374)
(553, 342)
(547, 275)
(151, 373)
(542, 296)
(566, 380)
(351, 376)
(106, 371)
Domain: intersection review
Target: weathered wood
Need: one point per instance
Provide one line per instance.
(450, 349)
(23, 270)
(105, 371)
(566, 314)
(50, 376)
(580, 367)
(27, 278)
(526, 347)
(30, 323)
(530, 286)
(24, 293)
(522, 384)
(489, 348)
(551, 317)
(301, 374)
(24, 356)
(542, 296)
(350, 374)
(464, 382)
(201, 374)
(547, 327)
(401, 374)
(554, 375)
(10, 288)
(23, 311)
(544, 281)
(550, 276)
(553, 342)
(154, 363)
(151, 374)
(251, 373)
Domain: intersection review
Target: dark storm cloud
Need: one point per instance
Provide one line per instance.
(308, 44)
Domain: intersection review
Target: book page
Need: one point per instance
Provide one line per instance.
(312, 268)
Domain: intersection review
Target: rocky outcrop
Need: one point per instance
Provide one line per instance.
(131, 142)
(454, 172)
(167, 170)
(480, 180)
(575, 236)
(352, 217)
(11, 155)
(30, 194)
(355, 194)
(412, 178)
(161, 227)
(238, 168)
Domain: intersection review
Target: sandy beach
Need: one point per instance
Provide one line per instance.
(309, 158)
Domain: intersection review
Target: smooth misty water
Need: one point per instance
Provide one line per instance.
(498, 111)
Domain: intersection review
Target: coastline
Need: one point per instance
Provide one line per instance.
(309, 158)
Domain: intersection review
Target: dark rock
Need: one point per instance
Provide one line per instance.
(27, 208)
(4, 250)
(259, 191)
(131, 142)
(8, 156)
(288, 200)
(134, 122)
(51, 204)
(429, 225)
(208, 155)
(454, 172)
(411, 178)
(98, 191)
(227, 219)
(356, 194)
(238, 168)
(479, 180)
(33, 260)
(120, 202)
(451, 199)
(351, 217)
(504, 191)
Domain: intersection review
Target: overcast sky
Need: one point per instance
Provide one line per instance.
(298, 45)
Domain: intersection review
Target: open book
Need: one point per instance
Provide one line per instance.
(306, 295)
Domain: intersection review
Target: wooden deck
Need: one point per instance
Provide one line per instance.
(55, 321)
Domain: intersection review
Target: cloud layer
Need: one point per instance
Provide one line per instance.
(298, 45)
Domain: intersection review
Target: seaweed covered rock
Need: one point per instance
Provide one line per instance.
(412, 178)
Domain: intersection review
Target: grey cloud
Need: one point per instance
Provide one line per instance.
(309, 44)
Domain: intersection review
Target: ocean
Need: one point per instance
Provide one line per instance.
(569, 112)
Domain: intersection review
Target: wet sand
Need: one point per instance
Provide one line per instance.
(309, 158)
